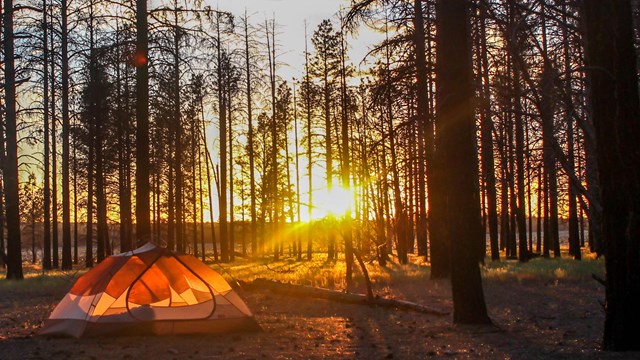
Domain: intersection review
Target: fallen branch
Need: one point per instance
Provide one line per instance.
(338, 296)
(600, 280)
(365, 274)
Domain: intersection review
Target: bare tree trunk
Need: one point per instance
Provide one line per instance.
(125, 244)
(195, 156)
(422, 107)
(297, 200)
(523, 253)
(488, 166)
(232, 229)
(54, 143)
(171, 196)
(511, 179)
(251, 155)
(3, 254)
(143, 225)
(177, 118)
(224, 252)
(209, 191)
(66, 210)
(611, 60)
(574, 229)
(75, 202)
(201, 192)
(547, 89)
(347, 232)
(455, 124)
(46, 260)
(10, 163)
(551, 189)
(308, 110)
(90, 177)
(274, 141)
(539, 223)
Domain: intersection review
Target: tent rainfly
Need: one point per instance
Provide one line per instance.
(150, 290)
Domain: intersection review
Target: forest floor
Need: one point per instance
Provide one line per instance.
(543, 309)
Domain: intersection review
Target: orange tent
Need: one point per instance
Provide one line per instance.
(150, 290)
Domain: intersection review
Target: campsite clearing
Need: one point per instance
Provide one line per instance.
(535, 316)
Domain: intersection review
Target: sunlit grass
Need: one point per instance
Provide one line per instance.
(321, 273)
(36, 281)
(545, 269)
(331, 274)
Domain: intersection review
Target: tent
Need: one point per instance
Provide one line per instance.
(150, 290)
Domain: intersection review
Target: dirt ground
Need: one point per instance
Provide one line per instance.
(533, 319)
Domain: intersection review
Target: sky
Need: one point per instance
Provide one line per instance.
(290, 16)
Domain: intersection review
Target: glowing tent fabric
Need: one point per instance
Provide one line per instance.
(149, 290)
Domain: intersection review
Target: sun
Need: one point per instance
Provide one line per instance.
(337, 202)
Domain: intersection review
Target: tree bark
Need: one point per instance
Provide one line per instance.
(486, 130)
(250, 145)
(422, 107)
(10, 164)
(66, 209)
(611, 61)
(143, 224)
(455, 147)
(46, 261)
(222, 195)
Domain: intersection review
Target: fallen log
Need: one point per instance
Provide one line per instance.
(338, 296)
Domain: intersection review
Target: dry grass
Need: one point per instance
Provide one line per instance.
(320, 272)
(545, 269)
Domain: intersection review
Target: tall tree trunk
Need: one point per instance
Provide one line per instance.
(66, 209)
(143, 225)
(101, 195)
(523, 253)
(10, 163)
(209, 191)
(75, 202)
(504, 199)
(177, 126)
(422, 107)
(171, 244)
(3, 254)
(274, 141)
(195, 156)
(123, 139)
(54, 143)
(574, 229)
(511, 179)
(439, 250)
(298, 206)
(347, 232)
(455, 124)
(251, 155)
(201, 192)
(539, 207)
(90, 178)
(232, 229)
(611, 60)
(126, 208)
(307, 102)
(222, 203)
(46, 260)
(486, 129)
(547, 88)
(551, 187)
